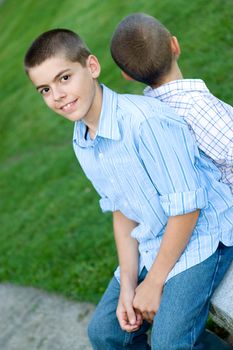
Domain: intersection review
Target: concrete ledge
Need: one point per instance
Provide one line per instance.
(31, 319)
(222, 302)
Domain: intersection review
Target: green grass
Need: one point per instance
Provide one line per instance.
(53, 235)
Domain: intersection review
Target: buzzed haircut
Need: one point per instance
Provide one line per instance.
(55, 42)
(141, 47)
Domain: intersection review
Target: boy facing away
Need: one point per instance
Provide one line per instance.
(172, 216)
(147, 52)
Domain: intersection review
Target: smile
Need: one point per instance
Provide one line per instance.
(69, 106)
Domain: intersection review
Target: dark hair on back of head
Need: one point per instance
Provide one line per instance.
(55, 42)
(141, 47)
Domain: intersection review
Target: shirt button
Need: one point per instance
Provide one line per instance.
(101, 156)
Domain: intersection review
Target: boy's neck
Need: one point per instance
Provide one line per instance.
(92, 121)
(174, 74)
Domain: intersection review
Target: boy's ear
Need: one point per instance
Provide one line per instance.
(126, 76)
(93, 65)
(175, 47)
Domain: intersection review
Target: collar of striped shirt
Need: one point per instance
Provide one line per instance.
(108, 125)
(176, 85)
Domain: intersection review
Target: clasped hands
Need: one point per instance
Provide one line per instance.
(136, 305)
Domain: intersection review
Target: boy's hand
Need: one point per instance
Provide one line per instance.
(147, 298)
(130, 320)
(175, 239)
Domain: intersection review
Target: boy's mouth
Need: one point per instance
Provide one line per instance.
(68, 107)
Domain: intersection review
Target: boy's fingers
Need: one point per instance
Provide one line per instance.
(131, 316)
(124, 323)
(148, 316)
(139, 318)
(122, 318)
(130, 329)
(126, 318)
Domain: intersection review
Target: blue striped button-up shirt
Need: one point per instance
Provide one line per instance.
(143, 161)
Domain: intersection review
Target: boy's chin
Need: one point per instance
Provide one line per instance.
(72, 118)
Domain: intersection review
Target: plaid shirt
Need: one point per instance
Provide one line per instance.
(210, 120)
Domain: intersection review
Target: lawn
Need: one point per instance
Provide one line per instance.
(53, 234)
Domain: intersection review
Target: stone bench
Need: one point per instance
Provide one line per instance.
(221, 309)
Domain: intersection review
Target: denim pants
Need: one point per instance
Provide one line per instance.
(180, 321)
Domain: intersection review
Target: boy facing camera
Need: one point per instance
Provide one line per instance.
(172, 217)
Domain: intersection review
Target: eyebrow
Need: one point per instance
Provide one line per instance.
(54, 79)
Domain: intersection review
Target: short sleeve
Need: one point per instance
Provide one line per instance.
(168, 153)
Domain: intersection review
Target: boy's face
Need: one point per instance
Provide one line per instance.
(68, 88)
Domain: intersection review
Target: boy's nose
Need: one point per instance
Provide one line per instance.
(58, 95)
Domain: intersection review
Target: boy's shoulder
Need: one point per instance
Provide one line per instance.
(204, 104)
(141, 108)
(129, 113)
(188, 96)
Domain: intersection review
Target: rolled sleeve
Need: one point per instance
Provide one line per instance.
(184, 202)
(107, 204)
(169, 155)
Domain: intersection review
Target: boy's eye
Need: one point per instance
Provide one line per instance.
(65, 77)
(44, 91)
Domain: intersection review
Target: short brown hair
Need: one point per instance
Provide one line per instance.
(141, 47)
(54, 42)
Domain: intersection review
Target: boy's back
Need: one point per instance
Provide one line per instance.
(210, 119)
(146, 51)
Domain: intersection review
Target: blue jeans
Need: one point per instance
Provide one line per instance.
(180, 321)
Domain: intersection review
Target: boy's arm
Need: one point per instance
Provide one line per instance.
(177, 234)
(169, 155)
(127, 249)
